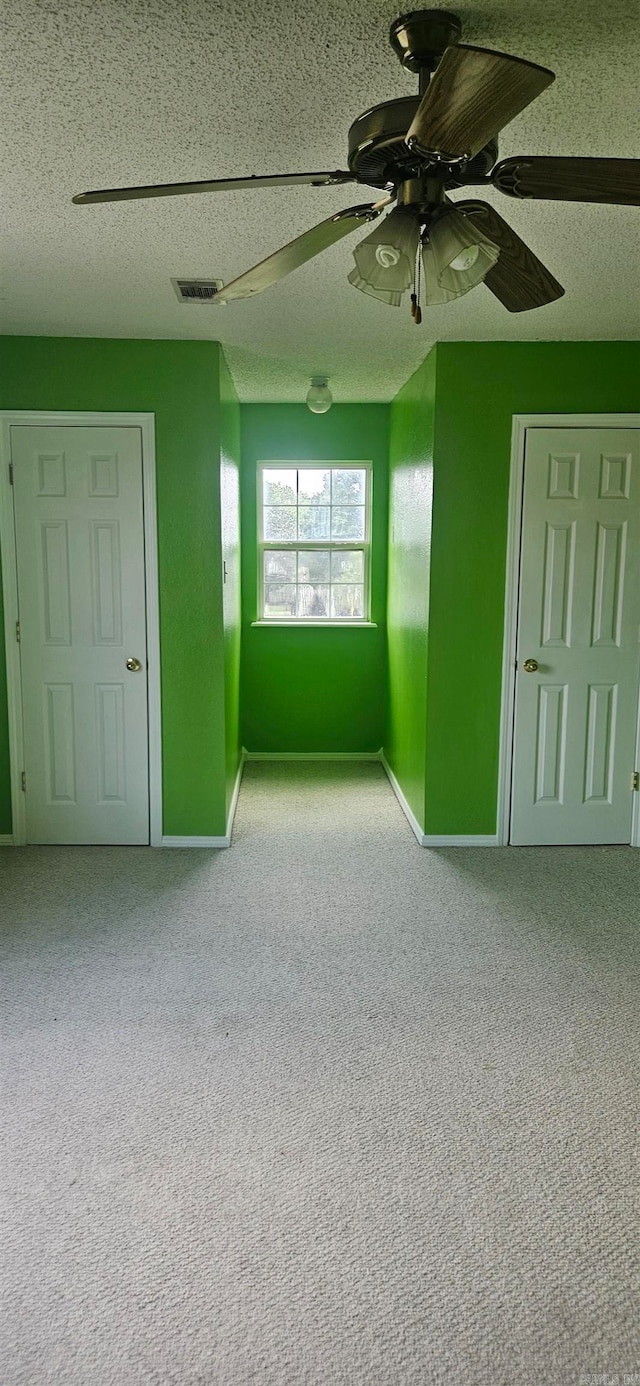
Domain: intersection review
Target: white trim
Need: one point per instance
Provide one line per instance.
(152, 589)
(408, 812)
(635, 807)
(363, 546)
(462, 840)
(234, 797)
(311, 755)
(522, 422)
(12, 649)
(215, 842)
(65, 419)
(345, 624)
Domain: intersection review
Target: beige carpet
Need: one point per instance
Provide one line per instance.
(325, 1108)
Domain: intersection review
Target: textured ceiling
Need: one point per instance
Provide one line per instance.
(99, 93)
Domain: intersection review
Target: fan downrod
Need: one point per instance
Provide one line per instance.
(420, 38)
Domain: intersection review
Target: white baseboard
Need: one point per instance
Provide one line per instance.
(434, 840)
(463, 840)
(234, 798)
(6, 839)
(408, 812)
(310, 755)
(195, 842)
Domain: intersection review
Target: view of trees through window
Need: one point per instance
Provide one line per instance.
(314, 543)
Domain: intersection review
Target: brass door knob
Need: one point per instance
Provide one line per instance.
(133, 665)
(530, 666)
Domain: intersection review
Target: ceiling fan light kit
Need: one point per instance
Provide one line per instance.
(392, 297)
(386, 258)
(456, 255)
(418, 149)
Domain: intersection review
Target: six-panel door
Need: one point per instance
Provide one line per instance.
(78, 501)
(579, 623)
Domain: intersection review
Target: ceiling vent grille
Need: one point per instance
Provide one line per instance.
(196, 290)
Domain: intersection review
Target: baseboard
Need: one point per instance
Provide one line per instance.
(408, 812)
(6, 839)
(462, 840)
(311, 755)
(434, 839)
(196, 842)
(234, 797)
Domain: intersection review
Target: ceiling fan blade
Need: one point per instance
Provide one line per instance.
(472, 95)
(296, 253)
(518, 278)
(570, 180)
(271, 180)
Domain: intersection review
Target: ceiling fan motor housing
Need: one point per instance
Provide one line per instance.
(420, 38)
(379, 154)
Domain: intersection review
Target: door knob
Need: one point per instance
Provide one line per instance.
(133, 665)
(530, 666)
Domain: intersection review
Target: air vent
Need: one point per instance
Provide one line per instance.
(196, 290)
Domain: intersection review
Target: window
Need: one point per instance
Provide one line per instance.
(314, 541)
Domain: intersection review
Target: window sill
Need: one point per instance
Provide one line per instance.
(335, 625)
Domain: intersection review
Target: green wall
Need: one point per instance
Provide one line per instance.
(231, 610)
(410, 506)
(306, 689)
(5, 767)
(179, 382)
(478, 388)
(447, 439)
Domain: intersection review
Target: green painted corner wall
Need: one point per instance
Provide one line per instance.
(426, 680)
(231, 606)
(480, 386)
(179, 382)
(305, 689)
(410, 508)
(5, 765)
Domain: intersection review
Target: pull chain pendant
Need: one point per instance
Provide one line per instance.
(416, 311)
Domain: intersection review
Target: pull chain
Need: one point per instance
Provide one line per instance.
(416, 311)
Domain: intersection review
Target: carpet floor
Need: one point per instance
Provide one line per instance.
(324, 1108)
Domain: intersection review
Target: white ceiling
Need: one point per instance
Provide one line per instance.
(99, 93)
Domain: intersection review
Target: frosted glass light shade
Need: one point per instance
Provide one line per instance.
(391, 296)
(385, 259)
(319, 396)
(456, 257)
(433, 294)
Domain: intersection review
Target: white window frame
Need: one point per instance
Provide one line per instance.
(324, 545)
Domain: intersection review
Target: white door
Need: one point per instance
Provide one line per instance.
(83, 650)
(576, 700)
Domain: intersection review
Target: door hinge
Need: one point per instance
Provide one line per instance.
(11, 473)
(24, 781)
(224, 572)
(18, 631)
(635, 779)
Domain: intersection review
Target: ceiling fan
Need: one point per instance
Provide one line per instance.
(417, 149)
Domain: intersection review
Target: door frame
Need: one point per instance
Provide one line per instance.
(521, 423)
(67, 419)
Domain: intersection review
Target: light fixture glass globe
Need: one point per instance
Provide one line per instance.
(456, 256)
(432, 292)
(319, 396)
(385, 260)
(466, 259)
(390, 296)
